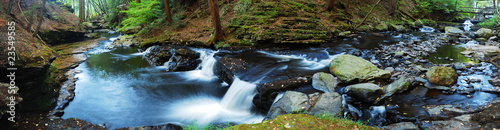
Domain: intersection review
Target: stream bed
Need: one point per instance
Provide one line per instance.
(119, 88)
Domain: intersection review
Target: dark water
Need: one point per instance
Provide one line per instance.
(447, 54)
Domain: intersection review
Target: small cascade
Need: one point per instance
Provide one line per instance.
(427, 29)
(467, 25)
(207, 63)
(239, 96)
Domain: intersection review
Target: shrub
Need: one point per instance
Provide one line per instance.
(141, 13)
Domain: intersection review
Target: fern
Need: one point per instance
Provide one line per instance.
(141, 13)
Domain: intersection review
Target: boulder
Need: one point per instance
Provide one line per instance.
(227, 67)
(418, 23)
(398, 86)
(349, 68)
(268, 91)
(330, 103)
(313, 104)
(290, 102)
(364, 92)
(484, 33)
(382, 27)
(4, 98)
(398, 28)
(495, 81)
(131, 30)
(179, 58)
(449, 29)
(441, 75)
(324, 82)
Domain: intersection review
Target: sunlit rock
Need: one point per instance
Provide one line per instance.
(440, 75)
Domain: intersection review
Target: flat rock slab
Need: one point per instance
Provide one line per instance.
(402, 126)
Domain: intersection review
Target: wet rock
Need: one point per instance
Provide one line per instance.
(495, 61)
(291, 102)
(489, 118)
(72, 123)
(330, 103)
(268, 91)
(350, 68)
(364, 92)
(399, 28)
(227, 67)
(399, 54)
(131, 30)
(402, 126)
(449, 29)
(418, 23)
(484, 33)
(493, 38)
(459, 66)
(66, 94)
(345, 34)
(390, 69)
(175, 58)
(324, 82)
(398, 86)
(440, 75)
(495, 81)
(125, 41)
(466, 52)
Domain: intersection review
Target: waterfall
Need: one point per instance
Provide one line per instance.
(239, 96)
(207, 63)
(467, 25)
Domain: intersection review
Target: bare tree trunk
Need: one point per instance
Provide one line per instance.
(41, 19)
(9, 7)
(347, 6)
(82, 10)
(137, 1)
(391, 7)
(215, 20)
(167, 10)
(331, 5)
(364, 19)
(31, 16)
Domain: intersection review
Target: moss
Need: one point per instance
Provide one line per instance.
(304, 122)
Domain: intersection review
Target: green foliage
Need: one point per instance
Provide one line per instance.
(490, 23)
(141, 13)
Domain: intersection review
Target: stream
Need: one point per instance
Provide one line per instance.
(119, 88)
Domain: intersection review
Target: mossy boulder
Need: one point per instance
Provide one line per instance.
(364, 92)
(441, 75)
(398, 86)
(382, 27)
(349, 68)
(484, 33)
(418, 23)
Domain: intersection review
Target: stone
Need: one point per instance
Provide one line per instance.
(418, 23)
(396, 87)
(390, 69)
(466, 52)
(324, 82)
(268, 91)
(484, 33)
(495, 81)
(364, 92)
(382, 27)
(448, 125)
(449, 29)
(344, 34)
(402, 126)
(290, 102)
(131, 30)
(399, 54)
(399, 28)
(349, 68)
(440, 75)
(330, 103)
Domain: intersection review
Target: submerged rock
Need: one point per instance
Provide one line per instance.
(484, 33)
(349, 68)
(449, 29)
(364, 92)
(440, 75)
(324, 82)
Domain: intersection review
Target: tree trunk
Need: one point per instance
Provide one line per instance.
(137, 1)
(167, 10)
(9, 7)
(364, 19)
(31, 16)
(391, 7)
(347, 6)
(41, 19)
(331, 5)
(214, 8)
(82, 10)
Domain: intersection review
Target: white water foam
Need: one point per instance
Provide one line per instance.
(427, 29)
(205, 70)
(467, 25)
(102, 48)
(235, 106)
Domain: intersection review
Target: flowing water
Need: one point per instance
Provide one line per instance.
(120, 89)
